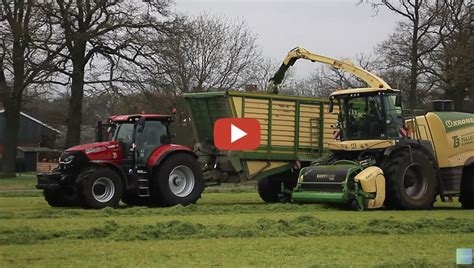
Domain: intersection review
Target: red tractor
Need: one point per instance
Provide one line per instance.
(138, 165)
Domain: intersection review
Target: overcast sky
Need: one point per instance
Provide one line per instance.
(338, 28)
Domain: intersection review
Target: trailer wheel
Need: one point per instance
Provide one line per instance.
(467, 188)
(62, 197)
(101, 188)
(177, 180)
(269, 189)
(411, 180)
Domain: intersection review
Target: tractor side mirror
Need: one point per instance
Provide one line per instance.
(141, 125)
(398, 101)
(331, 106)
(99, 135)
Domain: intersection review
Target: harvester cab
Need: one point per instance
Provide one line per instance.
(380, 156)
(368, 114)
(369, 121)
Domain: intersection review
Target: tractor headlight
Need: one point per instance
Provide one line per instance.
(67, 160)
(72, 161)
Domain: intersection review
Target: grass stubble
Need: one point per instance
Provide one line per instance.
(228, 227)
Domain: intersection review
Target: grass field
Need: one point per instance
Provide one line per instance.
(228, 227)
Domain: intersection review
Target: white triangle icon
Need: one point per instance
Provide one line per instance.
(236, 133)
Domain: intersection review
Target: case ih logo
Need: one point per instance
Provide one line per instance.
(95, 150)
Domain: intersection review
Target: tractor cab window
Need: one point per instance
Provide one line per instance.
(124, 133)
(153, 135)
(362, 117)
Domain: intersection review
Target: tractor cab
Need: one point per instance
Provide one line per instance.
(368, 114)
(138, 135)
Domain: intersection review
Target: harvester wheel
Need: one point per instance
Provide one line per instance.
(177, 180)
(467, 188)
(61, 197)
(411, 180)
(101, 188)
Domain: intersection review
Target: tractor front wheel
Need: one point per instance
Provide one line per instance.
(177, 180)
(101, 188)
(62, 197)
(411, 180)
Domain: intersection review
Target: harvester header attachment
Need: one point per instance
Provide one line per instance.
(344, 182)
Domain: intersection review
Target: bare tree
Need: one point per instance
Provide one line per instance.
(262, 69)
(452, 62)
(100, 31)
(27, 52)
(407, 48)
(211, 53)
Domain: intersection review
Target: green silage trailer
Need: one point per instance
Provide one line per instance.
(293, 134)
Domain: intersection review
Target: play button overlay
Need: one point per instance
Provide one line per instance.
(237, 134)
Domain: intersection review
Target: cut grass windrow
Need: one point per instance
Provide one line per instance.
(301, 226)
(43, 213)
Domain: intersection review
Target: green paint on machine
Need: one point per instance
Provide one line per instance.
(208, 107)
(331, 184)
(453, 121)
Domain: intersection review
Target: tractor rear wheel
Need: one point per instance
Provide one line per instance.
(62, 197)
(101, 188)
(411, 180)
(177, 180)
(467, 188)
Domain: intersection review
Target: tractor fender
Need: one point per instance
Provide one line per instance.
(111, 165)
(162, 152)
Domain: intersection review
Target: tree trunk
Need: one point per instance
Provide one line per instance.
(74, 118)
(11, 132)
(458, 101)
(454, 93)
(12, 102)
(412, 96)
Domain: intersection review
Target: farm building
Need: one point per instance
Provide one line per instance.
(35, 146)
